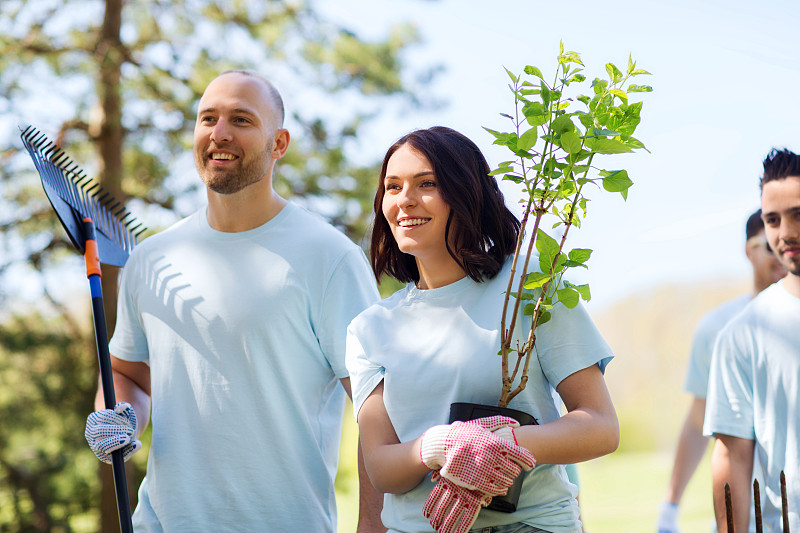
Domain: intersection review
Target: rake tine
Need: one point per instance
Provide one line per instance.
(757, 506)
(784, 504)
(728, 508)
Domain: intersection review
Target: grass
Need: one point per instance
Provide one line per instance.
(622, 492)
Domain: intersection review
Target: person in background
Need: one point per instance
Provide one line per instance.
(232, 324)
(766, 270)
(753, 403)
(441, 225)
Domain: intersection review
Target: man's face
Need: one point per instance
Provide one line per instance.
(766, 267)
(780, 207)
(234, 134)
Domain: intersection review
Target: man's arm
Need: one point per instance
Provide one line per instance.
(132, 385)
(732, 463)
(370, 501)
(691, 447)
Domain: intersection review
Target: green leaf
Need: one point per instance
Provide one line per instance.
(622, 95)
(640, 89)
(548, 248)
(570, 57)
(513, 177)
(633, 143)
(616, 181)
(531, 70)
(496, 134)
(639, 71)
(568, 296)
(535, 280)
(562, 124)
(585, 99)
(536, 113)
(597, 132)
(579, 78)
(584, 291)
(571, 142)
(580, 255)
(602, 145)
(544, 318)
(511, 75)
(527, 140)
(545, 95)
(613, 73)
(599, 85)
(504, 167)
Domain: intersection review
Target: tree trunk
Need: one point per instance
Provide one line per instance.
(109, 136)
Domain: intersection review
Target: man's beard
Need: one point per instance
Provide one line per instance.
(234, 180)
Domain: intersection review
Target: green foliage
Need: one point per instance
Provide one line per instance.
(47, 383)
(116, 84)
(556, 132)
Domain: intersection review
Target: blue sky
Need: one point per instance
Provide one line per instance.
(726, 76)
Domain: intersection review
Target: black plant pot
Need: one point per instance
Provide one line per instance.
(464, 412)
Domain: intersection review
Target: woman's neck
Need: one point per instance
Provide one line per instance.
(439, 272)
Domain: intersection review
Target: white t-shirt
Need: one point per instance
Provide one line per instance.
(703, 343)
(754, 393)
(244, 334)
(435, 347)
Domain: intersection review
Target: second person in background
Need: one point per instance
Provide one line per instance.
(441, 225)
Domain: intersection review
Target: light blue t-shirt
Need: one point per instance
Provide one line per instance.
(244, 334)
(754, 393)
(438, 346)
(703, 343)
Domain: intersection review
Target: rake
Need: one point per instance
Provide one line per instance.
(104, 232)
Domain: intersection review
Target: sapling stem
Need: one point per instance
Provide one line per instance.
(553, 186)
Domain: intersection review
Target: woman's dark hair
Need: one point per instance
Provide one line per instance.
(480, 226)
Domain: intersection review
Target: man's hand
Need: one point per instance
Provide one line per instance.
(111, 429)
(471, 456)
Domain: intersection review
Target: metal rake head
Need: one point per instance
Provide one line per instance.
(74, 196)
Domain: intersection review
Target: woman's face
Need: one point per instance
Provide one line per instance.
(413, 205)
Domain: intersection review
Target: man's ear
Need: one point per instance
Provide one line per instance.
(281, 144)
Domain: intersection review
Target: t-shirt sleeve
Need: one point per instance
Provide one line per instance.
(350, 289)
(570, 342)
(700, 360)
(729, 404)
(129, 341)
(365, 375)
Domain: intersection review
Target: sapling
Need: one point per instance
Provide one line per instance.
(555, 138)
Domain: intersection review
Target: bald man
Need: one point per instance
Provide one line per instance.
(230, 335)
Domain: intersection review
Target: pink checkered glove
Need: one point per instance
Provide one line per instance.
(471, 456)
(451, 508)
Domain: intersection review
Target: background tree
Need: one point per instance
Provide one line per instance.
(115, 83)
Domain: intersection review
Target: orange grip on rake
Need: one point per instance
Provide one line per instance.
(91, 255)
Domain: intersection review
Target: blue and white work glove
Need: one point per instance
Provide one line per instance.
(668, 518)
(112, 429)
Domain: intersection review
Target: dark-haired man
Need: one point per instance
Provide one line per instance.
(233, 322)
(753, 406)
(766, 270)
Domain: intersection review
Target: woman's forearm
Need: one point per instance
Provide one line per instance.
(396, 468)
(577, 436)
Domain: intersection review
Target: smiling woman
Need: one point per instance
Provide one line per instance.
(418, 216)
(442, 226)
